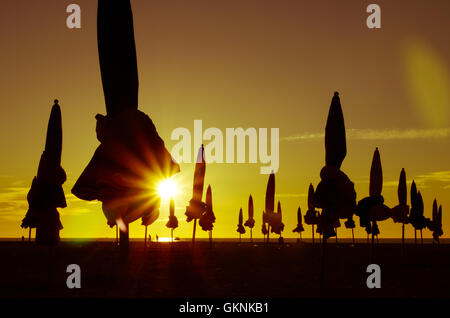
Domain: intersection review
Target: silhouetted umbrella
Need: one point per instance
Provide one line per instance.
(311, 216)
(435, 225)
(401, 190)
(46, 193)
(413, 193)
(263, 227)
(416, 218)
(240, 228)
(335, 140)
(413, 212)
(401, 211)
(172, 223)
(376, 175)
(131, 157)
(335, 193)
(299, 229)
(250, 221)
(371, 209)
(270, 202)
(275, 221)
(196, 206)
(30, 219)
(208, 218)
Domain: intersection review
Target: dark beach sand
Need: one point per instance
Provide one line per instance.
(228, 269)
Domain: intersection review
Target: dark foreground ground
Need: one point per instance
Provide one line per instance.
(227, 269)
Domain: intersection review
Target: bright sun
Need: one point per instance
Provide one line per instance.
(167, 188)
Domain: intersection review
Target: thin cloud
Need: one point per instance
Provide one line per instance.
(422, 181)
(379, 134)
(438, 176)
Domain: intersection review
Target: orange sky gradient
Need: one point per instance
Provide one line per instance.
(252, 63)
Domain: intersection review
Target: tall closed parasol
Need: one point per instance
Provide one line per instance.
(131, 159)
(196, 206)
(46, 193)
(250, 223)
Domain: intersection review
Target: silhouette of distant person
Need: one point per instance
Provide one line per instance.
(131, 156)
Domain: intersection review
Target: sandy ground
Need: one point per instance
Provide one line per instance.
(226, 269)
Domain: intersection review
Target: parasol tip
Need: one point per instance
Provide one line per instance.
(336, 93)
(56, 101)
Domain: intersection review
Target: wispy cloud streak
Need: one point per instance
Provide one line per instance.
(379, 134)
(422, 181)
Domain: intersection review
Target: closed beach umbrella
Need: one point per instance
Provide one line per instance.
(131, 156)
(270, 202)
(196, 206)
(335, 139)
(376, 175)
(240, 228)
(208, 218)
(250, 223)
(172, 223)
(46, 193)
(299, 228)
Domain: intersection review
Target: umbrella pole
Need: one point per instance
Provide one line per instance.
(403, 235)
(415, 237)
(171, 235)
(251, 235)
(313, 234)
(124, 238)
(373, 241)
(336, 235)
(353, 236)
(421, 238)
(29, 235)
(117, 235)
(145, 237)
(322, 267)
(239, 238)
(268, 232)
(210, 237)
(193, 234)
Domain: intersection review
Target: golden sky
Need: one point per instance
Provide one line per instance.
(247, 63)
